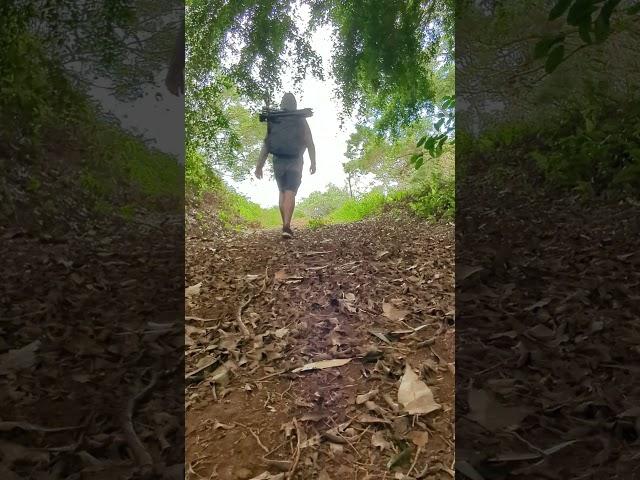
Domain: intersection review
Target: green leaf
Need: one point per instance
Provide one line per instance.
(421, 141)
(602, 25)
(419, 163)
(439, 124)
(430, 143)
(585, 32)
(602, 30)
(580, 12)
(554, 59)
(633, 10)
(559, 8)
(544, 45)
(415, 157)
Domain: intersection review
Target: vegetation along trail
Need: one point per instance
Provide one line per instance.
(373, 300)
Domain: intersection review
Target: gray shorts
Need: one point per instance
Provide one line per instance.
(288, 173)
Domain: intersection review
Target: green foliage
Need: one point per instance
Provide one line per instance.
(434, 143)
(124, 41)
(316, 223)
(199, 176)
(596, 152)
(434, 198)
(383, 56)
(253, 213)
(321, 204)
(40, 108)
(357, 209)
(592, 19)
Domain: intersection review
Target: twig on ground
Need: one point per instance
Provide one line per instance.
(141, 454)
(245, 331)
(271, 375)
(296, 458)
(415, 460)
(255, 435)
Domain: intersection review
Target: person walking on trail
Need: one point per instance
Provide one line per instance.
(287, 139)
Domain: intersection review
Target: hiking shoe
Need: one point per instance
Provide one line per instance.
(286, 232)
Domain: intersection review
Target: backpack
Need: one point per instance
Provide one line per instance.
(285, 135)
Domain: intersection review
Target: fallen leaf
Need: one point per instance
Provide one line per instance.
(193, 290)
(19, 359)
(217, 425)
(269, 476)
(491, 414)
(378, 441)
(541, 332)
(281, 332)
(337, 362)
(381, 336)
(366, 418)
(539, 304)
(282, 465)
(465, 271)
(360, 399)
(467, 469)
(393, 313)
(418, 438)
(414, 395)
(323, 475)
(401, 458)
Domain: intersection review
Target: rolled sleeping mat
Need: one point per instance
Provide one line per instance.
(272, 114)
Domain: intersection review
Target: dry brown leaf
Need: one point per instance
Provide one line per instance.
(337, 362)
(465, 271)
(19, 359)
(414, 395)
(418, 438)
(378, 441)
(393, 313)
(360, 399)
(491, 414)
(366, 418)
(193, 290)
(323, 475)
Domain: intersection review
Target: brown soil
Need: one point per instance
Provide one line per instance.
(89, 311)
(547, 347)
(319, 297)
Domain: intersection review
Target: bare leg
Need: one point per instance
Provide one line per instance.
(281, 205)
(288, 204)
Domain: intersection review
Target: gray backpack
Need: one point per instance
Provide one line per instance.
(285, 135)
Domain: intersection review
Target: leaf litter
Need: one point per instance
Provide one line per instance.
(546, 355)
(77, 341)
(323, 393)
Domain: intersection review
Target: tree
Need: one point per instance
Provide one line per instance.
(383, 49)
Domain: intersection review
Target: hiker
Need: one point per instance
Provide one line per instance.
(287, 168)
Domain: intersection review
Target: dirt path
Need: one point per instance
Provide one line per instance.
(324, 295)
(551, 310)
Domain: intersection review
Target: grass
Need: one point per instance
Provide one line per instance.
(354, 210)
(253, 213)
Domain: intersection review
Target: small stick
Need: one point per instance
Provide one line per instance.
(415, 460)
(271, 375)
(140, 452)
(275, 449)
(241, 325)
(296, 459)
(255, 435)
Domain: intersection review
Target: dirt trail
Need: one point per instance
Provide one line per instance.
(550, 309)
(320, 296)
